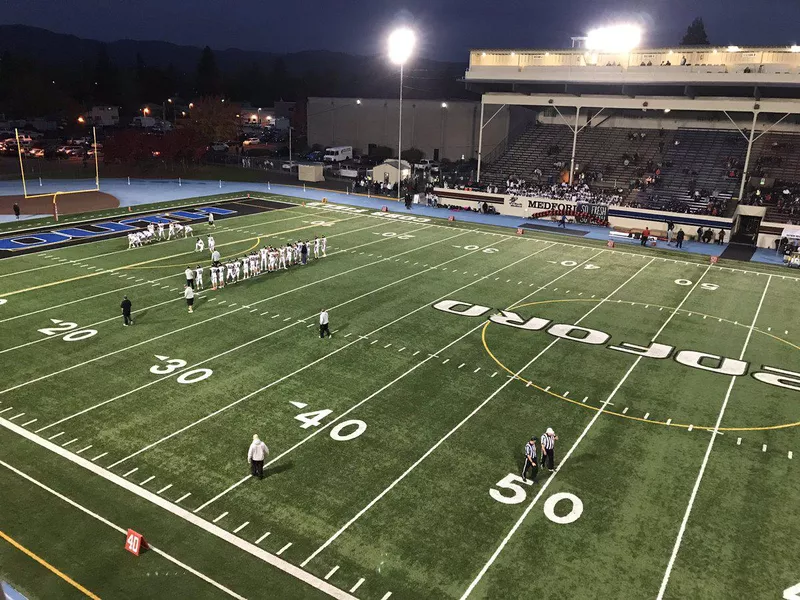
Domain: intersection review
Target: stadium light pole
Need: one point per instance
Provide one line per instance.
(401, 45)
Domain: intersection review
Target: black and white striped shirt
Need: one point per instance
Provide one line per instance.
(530, 450)
(547, 442)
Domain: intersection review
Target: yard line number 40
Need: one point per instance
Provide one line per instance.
(341, 432)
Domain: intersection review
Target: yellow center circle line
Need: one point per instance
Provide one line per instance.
(529, 383)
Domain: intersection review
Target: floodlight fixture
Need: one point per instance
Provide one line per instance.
(444, 104)
(795, 48)
(733, 48)
(614, 38)
(401, 45)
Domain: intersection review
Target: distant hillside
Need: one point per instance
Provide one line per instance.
(337, 74)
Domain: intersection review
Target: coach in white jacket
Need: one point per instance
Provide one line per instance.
(255, 456)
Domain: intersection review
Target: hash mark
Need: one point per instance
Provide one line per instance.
(69, 442)
(357, 585)
(446, 360)
(373, 342)
(286, 547)
(494, 374)
(669, 421)
(262, 538)
(22, 414)
(149, 479)
(566, 394)
(461, 365)
(387, 345)
(476, 370)
(547, 389)
(738, 441)
(84, 449)
(52, 437)
(131, 471)
(646, 415)
(691, 427)
(242, 526)
(764, 448)
(415, 353)
(331, 572)
(29, 422)
(401, 349)
(164, 489)
(184, 497)
(625, 410)
(99, 456)
(222, 516)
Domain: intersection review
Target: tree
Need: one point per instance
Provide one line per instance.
(413, 155)
(106, 88)
(209, 80)
(696, 34)
(213, 119)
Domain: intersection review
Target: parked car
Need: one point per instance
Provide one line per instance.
(289, 165)
(253, 141)
(36, 152)
(427, 164)
(220, 146)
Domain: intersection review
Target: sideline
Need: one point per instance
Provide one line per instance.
(46, 564)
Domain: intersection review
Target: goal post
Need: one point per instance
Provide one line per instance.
(25, 193)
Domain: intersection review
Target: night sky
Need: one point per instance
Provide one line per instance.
(447, 28)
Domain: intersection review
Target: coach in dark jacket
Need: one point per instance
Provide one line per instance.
(126, 311)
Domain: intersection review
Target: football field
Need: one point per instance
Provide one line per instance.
(396, 445)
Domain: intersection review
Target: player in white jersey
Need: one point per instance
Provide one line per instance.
(297, 251)
(237, 270)
(198, 246)
(151, 229)
(220, 276)
(188, 231)
(324, 244)
(281, 257)
(198, 278)
(161, 231)
(316, 247)
(254, 263)
(133, 240)
(229, 269)
(213, 278)
(211, 244)
(264, 252)
(171, 231)
(272, 259)
(245, 268)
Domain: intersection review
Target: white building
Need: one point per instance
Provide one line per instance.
(104, 116)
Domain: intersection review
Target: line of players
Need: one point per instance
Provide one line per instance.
(266, 260)
(151, 234)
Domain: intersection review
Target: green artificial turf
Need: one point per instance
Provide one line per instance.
(386, 439)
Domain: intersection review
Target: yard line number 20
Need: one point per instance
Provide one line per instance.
(72, 334)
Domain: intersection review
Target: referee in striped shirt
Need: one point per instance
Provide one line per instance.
(530, 461)
(548, 442)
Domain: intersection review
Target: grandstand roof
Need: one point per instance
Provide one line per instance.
(740, 72)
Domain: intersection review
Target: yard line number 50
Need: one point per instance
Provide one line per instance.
(511, 483)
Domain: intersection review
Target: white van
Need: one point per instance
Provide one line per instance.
(338, 154)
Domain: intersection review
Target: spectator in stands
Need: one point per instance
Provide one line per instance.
(679, 238)
(721, 236)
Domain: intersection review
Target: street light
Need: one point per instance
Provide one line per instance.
(401, 45)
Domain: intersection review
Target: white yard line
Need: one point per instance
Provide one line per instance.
(444, 438)
(577, 442)
(114, 318)
(234, 349)
(710, 447)
(198, 323)
(119, 529)
(336, 419)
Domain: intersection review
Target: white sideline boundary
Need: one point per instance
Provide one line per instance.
(182, 513)
(444, 438)
(533, 238)
(161, 242)
(239, 347)
(563, 461)
(152, 281)
(714, 433)
(119, 529)
(429, 357)
(198, 323)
